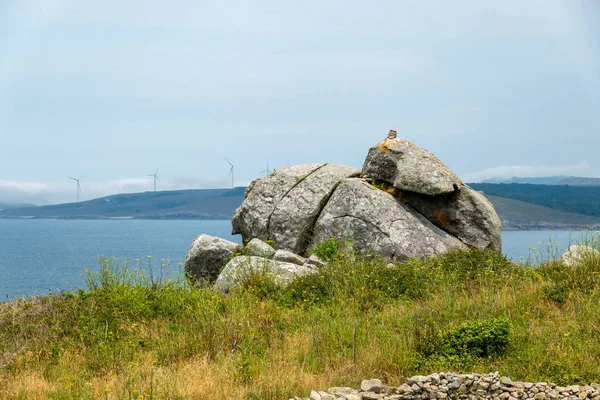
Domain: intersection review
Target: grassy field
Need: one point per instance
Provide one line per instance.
(130, 336)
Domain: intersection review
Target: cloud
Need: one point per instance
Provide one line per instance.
(528, 171)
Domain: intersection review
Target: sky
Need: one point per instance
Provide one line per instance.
(114, 89)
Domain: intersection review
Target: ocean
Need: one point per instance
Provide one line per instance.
(43, 256)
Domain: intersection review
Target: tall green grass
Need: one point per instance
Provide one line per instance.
(133, 333)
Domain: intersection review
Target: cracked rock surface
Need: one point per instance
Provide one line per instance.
(380, 224)
(284, 205)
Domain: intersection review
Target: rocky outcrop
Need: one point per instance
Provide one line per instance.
(207, 256)
(406, 204)
(377, 222)
(284, 205)
(242, 267)
(408, 167)
(464, 213)
(578, 253)
(447, 385)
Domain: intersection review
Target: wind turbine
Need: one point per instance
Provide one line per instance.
(230, 170)
(78, 184)
(267, 171)
(155, 177)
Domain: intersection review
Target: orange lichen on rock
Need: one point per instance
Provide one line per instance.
(383, 146)
(392, 190)
(441, 219)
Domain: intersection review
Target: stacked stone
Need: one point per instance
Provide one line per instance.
(455, 386)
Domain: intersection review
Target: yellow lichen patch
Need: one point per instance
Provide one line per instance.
(383, 146)
(393, 191)
(441, 219)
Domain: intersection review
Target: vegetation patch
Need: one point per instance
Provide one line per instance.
(133, 334)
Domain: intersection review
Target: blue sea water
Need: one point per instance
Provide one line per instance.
(40, 256)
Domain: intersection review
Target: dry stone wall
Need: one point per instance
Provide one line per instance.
(454, 386)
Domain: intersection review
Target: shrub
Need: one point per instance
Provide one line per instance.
(260, 283)
(327, 251)
(305, 291)
(479, 339)
(582, 278)
(558, 293)
(471, 339)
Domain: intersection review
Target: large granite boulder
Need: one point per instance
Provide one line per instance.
(379, 223)
(242, 267)
(284, 206)
(207, 256)
(464, 213)
(409, 167)
(406, 204)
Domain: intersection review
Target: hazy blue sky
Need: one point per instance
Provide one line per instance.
(115, 88)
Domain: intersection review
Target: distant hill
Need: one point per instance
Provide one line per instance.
(10, 206)
(177, 204)
(515, 213)
(549, 180)
(571, 199)
(519, 215)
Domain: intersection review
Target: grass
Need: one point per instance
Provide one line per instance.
(132, 336)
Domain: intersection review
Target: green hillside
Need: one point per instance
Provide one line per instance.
(10, 206)
(549, 180)
(220, 204)
(571, 199)
(177, 204)
(520, 215)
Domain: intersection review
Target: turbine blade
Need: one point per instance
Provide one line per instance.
(229, 162)
(157, 168)
(83, 176)
(157, 178)
(70, 177)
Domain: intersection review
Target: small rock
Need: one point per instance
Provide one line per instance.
(342, 390)
(404, 389)
(371, 385)
(314, 395)
(258, 248)
(326, 396)
(369, 396)
(505, 381)
(289, 257)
